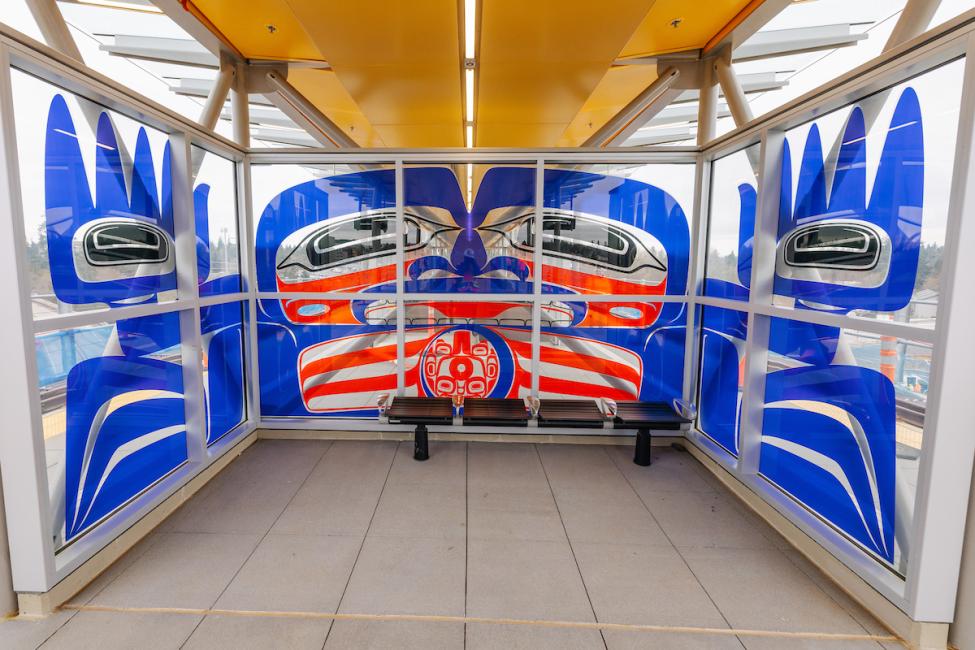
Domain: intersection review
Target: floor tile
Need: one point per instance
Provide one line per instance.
(775, 643)
(639, 584)
(123, 631)
(488, 636)
(107, 576)
(514, 465)
(524, 580)
(403, 635)
(515, 524)
(525, 497)
(237, 503)
(643, 640)
(762, 590)
(410, 510)
(446, 468)
(355, 461)
(400, 575)
(295, 573)
(29, 631)
(695, 519)
(580, 467)
(670, 471)
(331, 508)
(601, 518)
(180, 570)
(265, 633)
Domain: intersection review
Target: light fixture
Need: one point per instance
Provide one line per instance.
(470, 15)
(469, 95)
(470, 36)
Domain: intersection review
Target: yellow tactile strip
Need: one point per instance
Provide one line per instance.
(433, 618)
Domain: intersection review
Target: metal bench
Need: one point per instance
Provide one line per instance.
(562, 413)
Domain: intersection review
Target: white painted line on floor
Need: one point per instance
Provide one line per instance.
(434, 618)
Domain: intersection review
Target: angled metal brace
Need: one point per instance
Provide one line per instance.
(638, 112)
(305, 114)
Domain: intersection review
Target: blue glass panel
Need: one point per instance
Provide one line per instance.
(829, 430)
(723, 334)
(116, 247)
(125, 424)
(222, 330)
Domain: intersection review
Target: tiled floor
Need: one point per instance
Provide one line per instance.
(312, 544)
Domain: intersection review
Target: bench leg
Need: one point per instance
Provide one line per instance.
(642, 454)
(420, 449)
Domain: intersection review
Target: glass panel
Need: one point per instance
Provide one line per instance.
(843, 427)
(722, 368)
(98, 210)
(618, 350)
(617, 229)
(113, 415)
(215, 209)
(326, 357)
(483, 246)
(222, 330)
(873, 245)
(468, 349)
(325, 228)
(731, 224)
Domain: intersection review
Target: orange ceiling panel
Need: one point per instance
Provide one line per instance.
(539, 61)
(400, 60)
(261, 30)
(696, 24)
(323, 89)
(618, 87)
(545, 68)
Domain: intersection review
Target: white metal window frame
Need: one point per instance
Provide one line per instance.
(926, 594)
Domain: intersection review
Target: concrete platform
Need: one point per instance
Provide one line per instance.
(353, 544)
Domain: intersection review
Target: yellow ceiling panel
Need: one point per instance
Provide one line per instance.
(399, 59)
(323, 89)
(696, 23)
(539, 61)
(618, 87)
(246, 26)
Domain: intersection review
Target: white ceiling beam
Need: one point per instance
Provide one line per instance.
(197, 87)
(798, 40)
(55, 31)
(218, 95)
(752, 82)
(181, 51)
(733, 93)
(686, 112)
(660, 135)
(265, 116)
(291, 137)
(914, 21)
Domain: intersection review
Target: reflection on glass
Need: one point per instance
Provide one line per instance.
(844, 417)
(222, 333)
(325, 357)
(731, 223)
(97, 194)
(723, 335)
(215, 208)
(113, 415)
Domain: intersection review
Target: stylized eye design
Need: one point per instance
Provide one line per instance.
(848, 252)
(337, 243)
(120, 248)
(593, 241)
